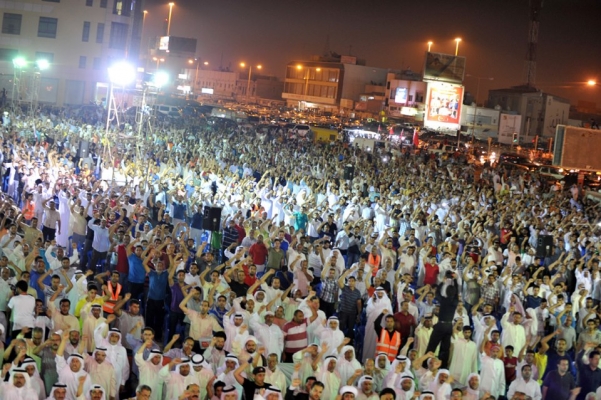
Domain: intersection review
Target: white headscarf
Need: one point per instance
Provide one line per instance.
(57, 385)
(387, 368)
(96, 387)
(228, 390)
(347, 368)
(378, 304)
(405, 395)
(332, 337)
(475, 392)
(272, 390)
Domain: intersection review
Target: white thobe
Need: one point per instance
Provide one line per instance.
(492, 376)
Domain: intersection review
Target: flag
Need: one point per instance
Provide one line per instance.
(415, 139)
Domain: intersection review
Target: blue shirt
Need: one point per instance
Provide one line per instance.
(137, 273)
(33, 283)
(158, 285)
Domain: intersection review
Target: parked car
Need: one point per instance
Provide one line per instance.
(166, 110)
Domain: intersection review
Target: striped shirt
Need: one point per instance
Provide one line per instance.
(295, 336)
(230, 235)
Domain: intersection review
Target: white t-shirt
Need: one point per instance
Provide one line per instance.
(23, 307)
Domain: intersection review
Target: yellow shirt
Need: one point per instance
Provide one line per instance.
(541, 363)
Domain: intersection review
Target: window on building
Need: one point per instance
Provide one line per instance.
(100, 33)
(90, 3)
(85, 35)
(42, 55)
(118, 39)
(47, 27)
(97, 63)
(11, 24)
(8, 54)
(83, 60)
(103, 3)
(122, 7)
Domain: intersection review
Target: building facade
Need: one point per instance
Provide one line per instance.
(334, 84)
(541, 112)
(79, 39)
(405, 95)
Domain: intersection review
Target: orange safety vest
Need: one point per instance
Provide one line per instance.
(28, 210)
(110, 303)
(374, 262)
(388, 345)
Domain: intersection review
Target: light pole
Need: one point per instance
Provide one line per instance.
(430, 46)
(40, 65)
(250, 68)
(120, 74)
(169, 18)
(457, 40)
(143, 21)
(479, 78)
(18, 64)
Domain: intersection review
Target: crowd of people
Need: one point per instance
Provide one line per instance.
(211, 263)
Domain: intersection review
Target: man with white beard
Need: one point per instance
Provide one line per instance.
(115, 352)
(18, 385)
(472, 390)
(366, 389)
(175, 381)
(273, 374)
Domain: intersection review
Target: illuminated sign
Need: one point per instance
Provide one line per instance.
(443, 106)
(164, 43)
(206, 90)
(411, 111)
(400, 97)
(444, 68)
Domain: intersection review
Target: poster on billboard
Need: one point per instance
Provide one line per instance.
(400, 96)
(508, 125)
(443, 106)
(164, 43)
(444, 68)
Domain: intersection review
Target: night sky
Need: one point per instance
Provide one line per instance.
(394, 34)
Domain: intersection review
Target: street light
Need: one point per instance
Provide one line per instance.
(42, 64)
(169, 18)
(160, 79)
(457, 40)
(122, 74)
(591, 82)
(250, 68)
(479, 78)
(430, 46)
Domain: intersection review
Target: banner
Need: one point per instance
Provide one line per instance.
(443, 105)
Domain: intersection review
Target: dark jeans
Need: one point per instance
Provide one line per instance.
(83, 260)
(48, 233)
(327, 308)
(97, 257)
(175, 319)
(347, 323)
(441, 334)
(136, 290)
(155, 317)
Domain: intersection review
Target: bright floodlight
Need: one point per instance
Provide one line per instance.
(591, 82)
(161, 78)
(122, 73)
(42, 64)
(19, 62)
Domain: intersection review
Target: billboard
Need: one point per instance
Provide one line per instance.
(443, 106)
(577, 148)
(164, 43)
(508, 125)
(400, 96)
(444, 68)
(176, 44)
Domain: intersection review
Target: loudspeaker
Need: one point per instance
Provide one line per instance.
(544, 246)
(211, 219)
(84, 149)
(349, 172)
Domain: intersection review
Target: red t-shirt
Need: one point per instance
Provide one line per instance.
(258, 252)
(431, 274)
(510, 368)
